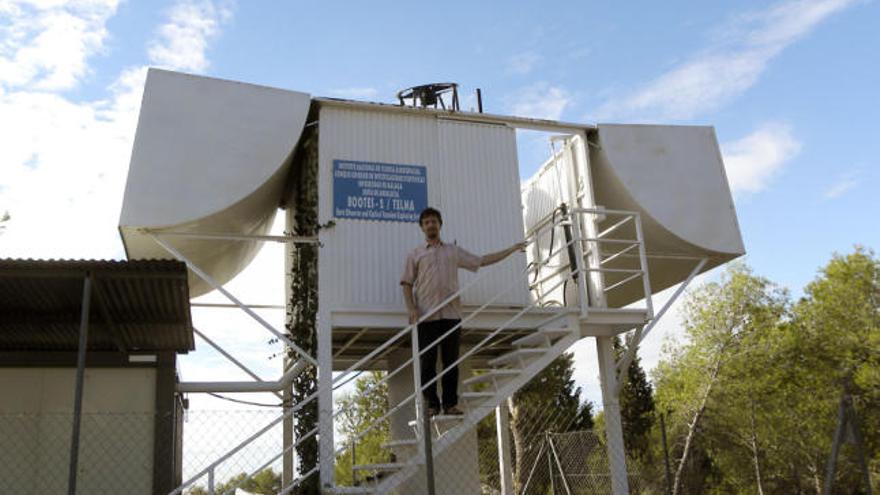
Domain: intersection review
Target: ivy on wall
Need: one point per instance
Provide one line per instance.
(303, 305)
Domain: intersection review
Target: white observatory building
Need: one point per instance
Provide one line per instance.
(616, 214)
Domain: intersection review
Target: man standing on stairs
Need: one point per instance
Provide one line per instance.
(430, 276)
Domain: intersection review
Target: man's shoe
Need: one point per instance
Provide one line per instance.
(453, 411)
(432, 411)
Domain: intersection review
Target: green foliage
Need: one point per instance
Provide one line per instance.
(359, 411)
(301, 322)
(548, 402)
(636, 406)
(266, 482)
(752, 394)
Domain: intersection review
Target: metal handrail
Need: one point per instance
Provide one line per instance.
(418, 352)
(470, 352)
(420, 387)
(209, 470)
(413, 329)
(424, 317)
(638, 242)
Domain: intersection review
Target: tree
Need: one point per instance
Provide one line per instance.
(720, 319)
(548, 402)
(636, 405)
(359, 411)
(3, 219)
(837, 325)
(266, 482)
(754, 391)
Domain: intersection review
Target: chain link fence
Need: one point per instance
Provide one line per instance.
(578, 464)
(115, 453)
(210, 434)
(546, 462)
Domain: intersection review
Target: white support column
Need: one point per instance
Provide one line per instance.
(604, 345)
(570, 154)
(611, 409)
(505, 466)
(588, 222)
(325, 398)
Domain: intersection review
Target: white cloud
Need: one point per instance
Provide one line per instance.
(63, 163)
(540, 101)
(523, 63)
(754, 160)
(355, 93)
(726, 70)
(46, 44)
(843, 184)
(183, 40)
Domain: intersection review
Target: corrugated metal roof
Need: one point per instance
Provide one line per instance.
(140, 305)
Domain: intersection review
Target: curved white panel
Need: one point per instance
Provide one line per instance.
(674, 177)
(209, 156)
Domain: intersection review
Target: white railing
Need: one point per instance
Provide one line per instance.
(614, 237)
(563, 273)
(340, 380)
(625, 246)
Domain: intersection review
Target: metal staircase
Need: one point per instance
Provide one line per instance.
(506, 374)
(521, 352)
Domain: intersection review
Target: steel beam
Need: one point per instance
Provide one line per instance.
(80, 378)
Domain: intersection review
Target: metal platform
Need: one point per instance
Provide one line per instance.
(357, 331)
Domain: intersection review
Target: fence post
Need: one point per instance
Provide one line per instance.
(502, 426)
(80, 378)
(417, 377)
(429, 452)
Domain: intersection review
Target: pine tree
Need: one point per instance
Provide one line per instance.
(548, 402)
(636, 405)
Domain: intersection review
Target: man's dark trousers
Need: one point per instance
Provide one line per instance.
(430, 331)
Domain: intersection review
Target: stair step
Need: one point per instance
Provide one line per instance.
(387, 466)
(409, 442)
(476, 396)
(490, 376)
(352, 490)
(540, 337)
(514, 357)
(442, 418)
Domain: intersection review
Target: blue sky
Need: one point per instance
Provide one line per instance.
(790, 86)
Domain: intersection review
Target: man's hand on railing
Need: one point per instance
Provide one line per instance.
(413, 316)
(492, 258)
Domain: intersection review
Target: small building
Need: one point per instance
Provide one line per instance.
(88, 353)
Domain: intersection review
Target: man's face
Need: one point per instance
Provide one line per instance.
(431, 227)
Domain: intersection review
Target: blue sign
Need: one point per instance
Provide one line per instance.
(379, 191)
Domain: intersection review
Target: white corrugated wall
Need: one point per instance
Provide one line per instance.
(472, 176)
(541, 194)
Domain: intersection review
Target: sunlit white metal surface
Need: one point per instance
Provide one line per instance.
(472, 179)
(674, 178)
(209, 156)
